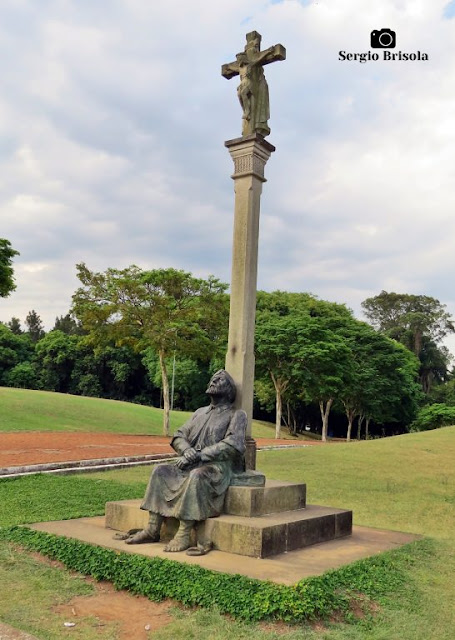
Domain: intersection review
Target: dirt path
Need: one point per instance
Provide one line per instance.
(36, 447)
(137, 616)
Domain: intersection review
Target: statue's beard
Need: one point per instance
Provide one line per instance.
(219, 388)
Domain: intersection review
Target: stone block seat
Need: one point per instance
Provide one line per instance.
(258, 521)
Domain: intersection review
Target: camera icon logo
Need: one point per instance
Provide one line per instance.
(383, 39)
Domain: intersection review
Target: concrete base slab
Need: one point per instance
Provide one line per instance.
(287, 568)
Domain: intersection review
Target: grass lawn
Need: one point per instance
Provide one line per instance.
(25, 410)
(405, 483)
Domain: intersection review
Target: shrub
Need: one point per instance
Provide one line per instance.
(433, 417)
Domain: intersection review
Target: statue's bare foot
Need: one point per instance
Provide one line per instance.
(180, 542)
(142, 536)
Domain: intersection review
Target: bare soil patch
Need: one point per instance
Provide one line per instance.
(37, 447)
(137, 616)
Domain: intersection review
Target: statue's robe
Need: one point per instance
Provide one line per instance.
(197, 492)
(261, 105)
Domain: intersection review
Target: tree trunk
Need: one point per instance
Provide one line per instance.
(280, 388)
(360, 420)
(350, 416)
(367, 428)
(166, 403)
(325, 417)
(278, 414)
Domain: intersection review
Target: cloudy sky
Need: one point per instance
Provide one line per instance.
(113, 117)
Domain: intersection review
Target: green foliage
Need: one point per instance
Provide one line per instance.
(308, 350)
(55, 354)
(21, 376)
(298, 348)
(7, 254)
(245, 598)
(383, 384)
(68, 325)
(14, 349)
(15, 325)
(434, 416)
(34, 325)
(419, 322)
(408, 317)
(165, 309)
(444, 393)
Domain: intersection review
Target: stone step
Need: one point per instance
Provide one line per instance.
(256, 536)
(274, 497)
(269, 535)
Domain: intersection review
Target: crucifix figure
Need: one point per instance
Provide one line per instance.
(253, 91)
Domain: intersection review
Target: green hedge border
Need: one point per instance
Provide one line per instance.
(375, 578)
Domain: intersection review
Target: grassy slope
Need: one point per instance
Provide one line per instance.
(25, 410)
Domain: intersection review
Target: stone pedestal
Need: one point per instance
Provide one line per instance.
(258, 522)
(250, 155)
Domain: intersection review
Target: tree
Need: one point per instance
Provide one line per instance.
(7, 253)
(417, 321)
(382, 385)
(15, 325)
(55, 356)
(274, 337)
(34, 326)
(434, 364)
(444, 393)
(325, 365)
(14, 350)
(292, 351)
(408, 318)
(166, 309)
(22, 376)
(68, 325)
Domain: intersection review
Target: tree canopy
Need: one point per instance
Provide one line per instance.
(420, 323)
(309, 350)
(166, 309)
(7, 253)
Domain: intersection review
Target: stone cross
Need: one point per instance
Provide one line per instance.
(250, 154)
(253, 91)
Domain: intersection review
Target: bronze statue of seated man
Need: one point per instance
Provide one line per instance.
(211, 446)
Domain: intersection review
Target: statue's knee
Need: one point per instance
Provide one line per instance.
(160, 471)
(197, 474)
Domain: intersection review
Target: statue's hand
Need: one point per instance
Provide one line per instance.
(181, 462)
(192, 455)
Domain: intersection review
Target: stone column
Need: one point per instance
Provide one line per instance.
(250, 154)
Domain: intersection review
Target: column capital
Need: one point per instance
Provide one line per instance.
(250, 155)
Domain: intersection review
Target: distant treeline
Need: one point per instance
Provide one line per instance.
(154, 337)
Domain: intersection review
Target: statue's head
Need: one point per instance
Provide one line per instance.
(222, 385)
(253, 40)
